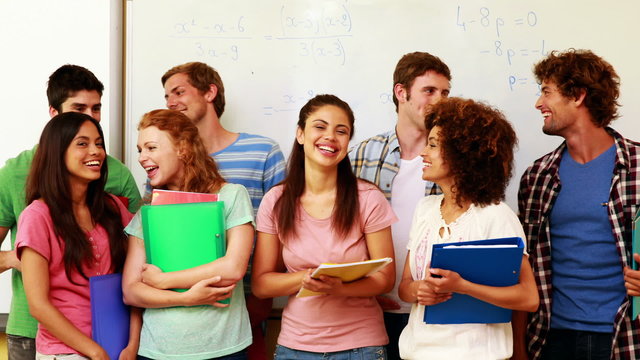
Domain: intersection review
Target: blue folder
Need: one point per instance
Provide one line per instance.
(109, 314)
(493, 266)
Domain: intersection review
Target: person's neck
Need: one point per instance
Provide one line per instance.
(587, 142)
(411, 137)
(319, 180)
(451, 208)
(78, 193)
(214, 136)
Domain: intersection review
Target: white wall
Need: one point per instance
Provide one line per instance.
(36, 37)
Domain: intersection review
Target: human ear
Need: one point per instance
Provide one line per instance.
(300, 136)
(52, 112)
(211, 94)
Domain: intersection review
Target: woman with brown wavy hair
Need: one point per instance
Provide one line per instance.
(185, 325)
(469, 154)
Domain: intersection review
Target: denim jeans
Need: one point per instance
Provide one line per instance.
(21, 348)
(240, 355)
(579, 345)
(363, 353)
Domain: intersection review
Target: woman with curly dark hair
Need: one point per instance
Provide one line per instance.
(469, 154)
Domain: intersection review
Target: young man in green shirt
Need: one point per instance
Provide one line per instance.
(70, 88)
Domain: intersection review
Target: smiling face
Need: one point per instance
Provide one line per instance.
(182, 96)
(325, 137)
(557, 110)
(160, 158)
(85, 155)
(434, 167)
(426, 90)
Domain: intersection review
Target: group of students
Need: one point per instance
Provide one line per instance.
(320, 212)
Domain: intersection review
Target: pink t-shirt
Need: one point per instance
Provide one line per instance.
(329, 323)
(36, 231)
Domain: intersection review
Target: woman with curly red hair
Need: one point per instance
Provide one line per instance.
(469, 154)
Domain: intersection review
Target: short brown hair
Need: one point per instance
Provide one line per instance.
(477, 144)
(576, 70)
(201, 76)
(415, 64)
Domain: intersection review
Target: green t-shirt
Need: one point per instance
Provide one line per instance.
(200, 332)
(13, 178)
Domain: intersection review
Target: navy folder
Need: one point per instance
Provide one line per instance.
(109, 314)
(493, 266)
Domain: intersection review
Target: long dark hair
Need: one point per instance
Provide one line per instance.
(286, 208)
(49, 180)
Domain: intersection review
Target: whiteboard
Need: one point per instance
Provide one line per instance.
(273, 55)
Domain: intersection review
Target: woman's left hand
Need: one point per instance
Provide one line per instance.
(324, 284)
(446, 281)
(128, 353)
(152, 276)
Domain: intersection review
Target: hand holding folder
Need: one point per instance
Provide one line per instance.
(494, 262)
(347, 272)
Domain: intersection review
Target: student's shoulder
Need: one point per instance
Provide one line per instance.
(366, 185)
(231, 189)
(499, 210)
(256, 139)
(382, 138)
(37, 208)
(19, 164)
(368, 191)
(115, 164)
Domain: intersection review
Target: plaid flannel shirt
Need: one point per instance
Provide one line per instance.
(377, 159)
(539, 189)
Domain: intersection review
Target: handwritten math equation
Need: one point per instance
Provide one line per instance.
(316, 35)
(288, 102)
(511, 41)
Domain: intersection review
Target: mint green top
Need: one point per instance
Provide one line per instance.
(13, 178)
(200, 332)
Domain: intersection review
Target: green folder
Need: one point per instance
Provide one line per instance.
(183, 236)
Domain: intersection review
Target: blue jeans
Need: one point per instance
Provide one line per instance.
(363, 353)
(21, 348)
(240, 355)
(579, 345)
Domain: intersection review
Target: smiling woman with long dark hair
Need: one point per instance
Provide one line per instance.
(70, 231)
(322, 213)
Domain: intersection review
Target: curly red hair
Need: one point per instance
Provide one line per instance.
(477, 145)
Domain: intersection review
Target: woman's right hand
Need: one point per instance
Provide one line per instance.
(205, 292)
(97, 353)
(426, 296)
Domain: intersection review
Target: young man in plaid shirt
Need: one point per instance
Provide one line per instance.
(577, 204)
